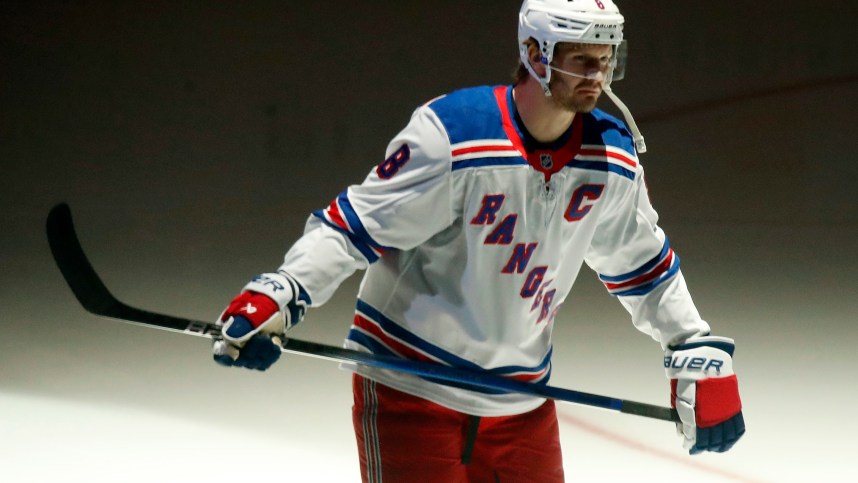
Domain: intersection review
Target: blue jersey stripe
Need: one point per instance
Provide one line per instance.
(602, 166)
(520, 161)
(363, 247)
(378, 348)
(643, 269)
(409, 338)
(354, 222)
(402, 334)
(648, 287)
(488, 161)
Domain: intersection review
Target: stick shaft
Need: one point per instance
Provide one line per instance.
(94, 296)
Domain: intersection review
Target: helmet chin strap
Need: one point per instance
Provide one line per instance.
(597, 75)
(640, 145)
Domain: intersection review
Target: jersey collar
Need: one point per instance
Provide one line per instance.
(547, 159)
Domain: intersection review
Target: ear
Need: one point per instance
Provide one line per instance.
(535, 57)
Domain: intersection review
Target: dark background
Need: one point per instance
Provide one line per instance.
(192, 139)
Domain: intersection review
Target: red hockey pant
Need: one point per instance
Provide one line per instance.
(403, 438)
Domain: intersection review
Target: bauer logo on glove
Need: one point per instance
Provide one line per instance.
(694, 364)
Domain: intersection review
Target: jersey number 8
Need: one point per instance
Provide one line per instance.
(390, 166)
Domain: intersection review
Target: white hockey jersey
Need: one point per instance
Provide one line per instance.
(472, 236)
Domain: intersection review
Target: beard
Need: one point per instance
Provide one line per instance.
(566, 98)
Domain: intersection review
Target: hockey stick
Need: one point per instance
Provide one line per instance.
(94, 296)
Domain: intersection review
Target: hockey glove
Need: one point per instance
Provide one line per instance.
(253, 322)
(705, 393)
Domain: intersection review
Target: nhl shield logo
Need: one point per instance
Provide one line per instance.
(546, 160)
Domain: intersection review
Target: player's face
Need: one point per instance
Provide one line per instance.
(575, 93)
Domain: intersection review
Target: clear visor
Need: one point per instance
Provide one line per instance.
(621, 55)
(603, 69)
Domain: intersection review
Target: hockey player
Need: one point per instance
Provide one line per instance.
(472, 232)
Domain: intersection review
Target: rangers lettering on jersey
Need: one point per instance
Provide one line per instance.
(488, 211)
(502, 235)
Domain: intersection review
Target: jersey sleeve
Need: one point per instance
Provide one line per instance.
(402, 202)
(636, 263)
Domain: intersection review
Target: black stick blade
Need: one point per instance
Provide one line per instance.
(73, 264)
(91, 292)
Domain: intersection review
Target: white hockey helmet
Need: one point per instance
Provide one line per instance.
(578, 21)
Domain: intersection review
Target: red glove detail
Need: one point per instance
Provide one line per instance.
(256, 307)
(717, 400)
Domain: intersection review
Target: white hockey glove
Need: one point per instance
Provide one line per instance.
(253, 322)
(705, 393)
